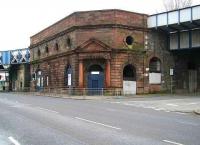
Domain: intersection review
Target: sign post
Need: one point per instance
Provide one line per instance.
(171, 75)
(69, 82)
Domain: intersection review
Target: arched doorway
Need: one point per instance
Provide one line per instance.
(95, 77)
(129, 79)
(39, 80)
(155, 71)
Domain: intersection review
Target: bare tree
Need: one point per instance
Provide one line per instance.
(176, 4)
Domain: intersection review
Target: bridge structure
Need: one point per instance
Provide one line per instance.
(181, 29)
(9, 60)
(13, 57)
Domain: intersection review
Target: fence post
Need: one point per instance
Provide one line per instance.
(102, 92)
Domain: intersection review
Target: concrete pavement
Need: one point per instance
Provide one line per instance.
(186, 104)
(36, 120)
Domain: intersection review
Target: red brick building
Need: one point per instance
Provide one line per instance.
(95, 49)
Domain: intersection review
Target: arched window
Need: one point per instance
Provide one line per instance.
(95, 68)
(68, 75)
(155, 65)
(129, 79)
(129, 73)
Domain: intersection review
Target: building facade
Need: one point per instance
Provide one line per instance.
(93, 49)
(111, 50)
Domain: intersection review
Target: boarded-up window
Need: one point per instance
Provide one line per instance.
(155, 71)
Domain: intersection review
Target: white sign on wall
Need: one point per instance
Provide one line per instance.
(95, 72)
(69, 81)
(171, 72)
(129, 87)
(154, 78)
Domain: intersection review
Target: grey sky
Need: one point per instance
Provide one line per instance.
(21, 19)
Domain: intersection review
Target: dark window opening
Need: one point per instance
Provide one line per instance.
(95, 67)
(47, 49)
(129, 73)
(68, 42)
(129, 40)
(39, 53)
(155, 65)
(56, 47)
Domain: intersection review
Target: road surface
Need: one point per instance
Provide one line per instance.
(38, 120)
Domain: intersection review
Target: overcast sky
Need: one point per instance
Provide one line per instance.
(20, 19)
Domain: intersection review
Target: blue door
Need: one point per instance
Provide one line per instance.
(95, 83)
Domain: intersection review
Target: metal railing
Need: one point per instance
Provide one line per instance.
(82, 93)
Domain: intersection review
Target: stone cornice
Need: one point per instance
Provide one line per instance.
(73, 28)
(73, 52)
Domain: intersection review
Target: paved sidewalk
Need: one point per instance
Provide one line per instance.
(184, 104)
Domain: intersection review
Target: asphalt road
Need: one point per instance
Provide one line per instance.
(36, 120)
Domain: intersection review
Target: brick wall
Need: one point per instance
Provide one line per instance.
(55, 61)
(92, 18)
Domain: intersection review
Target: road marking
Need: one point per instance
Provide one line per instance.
(192, 103)
(172, 142)
(188, 123)
(47, 110)
(159, 109)
(182, 113)
(15, 142)
(98, 123)
(172, 105)
(128, 104)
